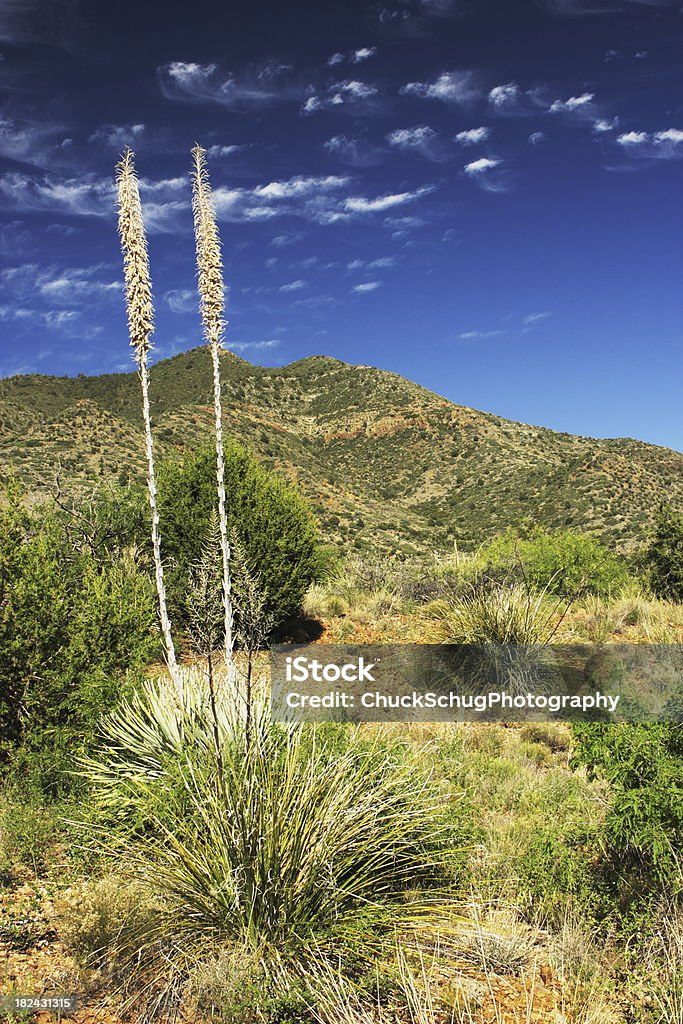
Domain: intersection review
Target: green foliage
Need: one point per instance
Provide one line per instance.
(644, 825)
(664, 555)
(274, 525)
(70, 627)
(561, 561)
(296, 844)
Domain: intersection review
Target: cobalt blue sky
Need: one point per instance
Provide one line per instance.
(481, 195)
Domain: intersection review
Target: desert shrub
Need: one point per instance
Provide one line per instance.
(664, 555)
(287, 847)
(27, 832)
(554, 735)
(275, 526)
(70, 628)
(560, 561)
(644, 826)
(497, 615)
(98, 917)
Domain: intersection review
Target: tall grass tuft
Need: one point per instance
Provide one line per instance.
(140, 327)
(212, 301)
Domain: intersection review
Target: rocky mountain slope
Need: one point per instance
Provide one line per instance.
(387, 465)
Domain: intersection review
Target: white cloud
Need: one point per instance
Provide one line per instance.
(348, 93)
(422, 139)
(293, 286)
(214, 152)
(488, 174)
(510, 100)
(479, 335)
(504, 98)
(28, 141)
(602, 125)
(251, 346)
(299, 186)
(358, 204)
(258, 86)
(459, 87)
(117, 136)
(381, 263)
(352, 151)
(90, 196)
(182, 300)
(580, 105)
(664, 145)
(531, 319)
(536, 138)
(484, 163)
(367, 286)
(364, 53)
(473, 136)
(63, 286)
(335, 59)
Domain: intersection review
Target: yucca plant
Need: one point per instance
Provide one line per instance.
(212, 302)
(301, 848)
(140, 310)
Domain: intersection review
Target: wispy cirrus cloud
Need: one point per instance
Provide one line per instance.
(63, 286)
(663, 145)
(348, 95)
(461, 88)
(479, 335)
(581, 106)
(473, 136)
(181, 300)
(354, 151)
(321, 200)
(93, 196)
(366, 286)
(510, 100)
(252, 346)
(257, 86)
(488, 173)
(421, 140)
(534, 319)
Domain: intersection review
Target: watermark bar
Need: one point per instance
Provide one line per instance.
(477, 683)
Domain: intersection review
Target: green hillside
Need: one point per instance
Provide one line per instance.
(387, 464)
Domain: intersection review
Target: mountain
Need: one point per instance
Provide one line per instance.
(388, 465)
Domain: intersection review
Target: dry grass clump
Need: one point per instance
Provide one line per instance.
(101, 919)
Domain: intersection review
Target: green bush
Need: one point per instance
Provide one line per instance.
(561, 561)
(644, 825)
(70, 628)
(276, 529)
(664, 556)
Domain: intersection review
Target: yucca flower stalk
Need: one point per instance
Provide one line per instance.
(212, 301)
(140, 328)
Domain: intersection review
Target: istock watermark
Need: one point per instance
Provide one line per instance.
(492, 682)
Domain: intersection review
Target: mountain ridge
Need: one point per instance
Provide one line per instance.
(386, 463)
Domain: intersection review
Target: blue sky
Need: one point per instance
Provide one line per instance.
(483, 196)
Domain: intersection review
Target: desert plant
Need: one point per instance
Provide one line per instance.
(140, 327)
(276, 529)
(664, 555)
(559, 562)
(70, 630)
(301, 849)
(212, 296)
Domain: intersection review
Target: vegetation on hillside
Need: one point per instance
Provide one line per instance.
(387, 466)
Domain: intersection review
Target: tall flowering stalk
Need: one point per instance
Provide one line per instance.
(140, 327)
(212, 299)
